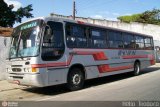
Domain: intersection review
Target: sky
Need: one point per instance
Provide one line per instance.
(99, 9)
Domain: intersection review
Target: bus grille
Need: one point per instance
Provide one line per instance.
(16, 69)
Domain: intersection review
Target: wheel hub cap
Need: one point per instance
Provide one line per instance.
(76, 79)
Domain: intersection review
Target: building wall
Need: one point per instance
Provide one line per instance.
(3, 55)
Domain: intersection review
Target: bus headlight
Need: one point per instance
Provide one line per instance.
(9, 69)
(27, 69)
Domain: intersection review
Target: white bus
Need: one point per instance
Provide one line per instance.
(49, 51)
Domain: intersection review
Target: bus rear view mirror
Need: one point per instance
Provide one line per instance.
(48, 30)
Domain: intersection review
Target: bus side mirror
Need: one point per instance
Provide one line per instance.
(49, 31)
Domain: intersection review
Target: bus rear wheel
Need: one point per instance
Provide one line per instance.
(136, 71)
(75, 79)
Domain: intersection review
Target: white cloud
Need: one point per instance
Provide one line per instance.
(112, 18)
(108, 15)
(15, 3)
(102, 17)
(98, 17)
(127, 14)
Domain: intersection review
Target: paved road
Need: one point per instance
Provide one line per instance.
(112, 88)
(117, 88)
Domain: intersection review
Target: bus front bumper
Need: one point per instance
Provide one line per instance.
(26, 79)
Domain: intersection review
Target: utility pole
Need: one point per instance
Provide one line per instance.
(74, 9)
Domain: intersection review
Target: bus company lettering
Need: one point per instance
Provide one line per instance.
(126, 52)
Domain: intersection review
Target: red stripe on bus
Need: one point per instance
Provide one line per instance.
(152, 62)
(48, 65)
(100, 56)
(107, 68)
(134, 56)
(56, 64)
(84, 52)
(69, 60)
(96, 55)
(152, 59)
(38, 65)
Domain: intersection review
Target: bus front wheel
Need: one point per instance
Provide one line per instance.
(75, 79)
(136, 69)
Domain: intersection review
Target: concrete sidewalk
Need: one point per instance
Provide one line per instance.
(6, 86)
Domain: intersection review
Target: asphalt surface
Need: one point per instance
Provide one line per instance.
(122, 87)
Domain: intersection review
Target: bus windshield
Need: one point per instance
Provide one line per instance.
(25, 40)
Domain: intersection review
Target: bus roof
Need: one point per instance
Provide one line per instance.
(86, 23)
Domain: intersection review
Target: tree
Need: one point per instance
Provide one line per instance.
(9, 17)
(150, 17)
(128, 19)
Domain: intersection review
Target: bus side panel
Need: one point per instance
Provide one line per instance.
(57, 76)
(145, 64)
(92, 72)
(44, 76)
(117, 68)
(118, 61)
(115, 72)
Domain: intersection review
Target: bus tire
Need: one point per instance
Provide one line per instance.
(75, 80)
(136, 71)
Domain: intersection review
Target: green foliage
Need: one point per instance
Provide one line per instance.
(150, 17)
(128, 19)
(21, 12)
(9, 17)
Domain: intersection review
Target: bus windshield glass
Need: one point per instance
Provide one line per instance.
(25, 40)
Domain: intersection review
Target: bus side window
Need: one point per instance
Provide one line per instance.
(129, 41)
(70, 39)
(148, 43)
(76, 36)
(81, 37)
(115, 39)
(98, 38)
(139, 42)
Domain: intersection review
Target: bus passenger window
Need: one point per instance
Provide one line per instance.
(115, 39)
(139, 42)
(98, 38)
(148, 43)
(129, 41)
(71, 40)
(75, 36)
